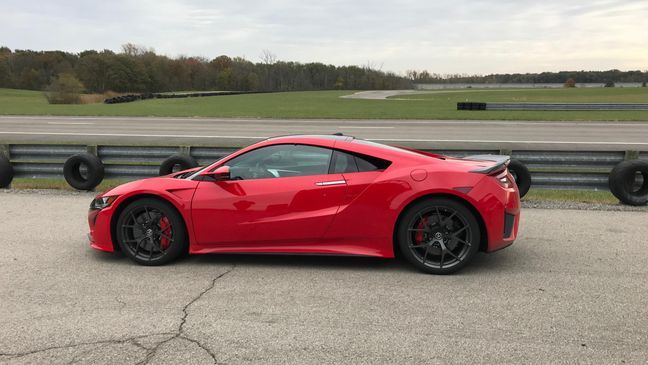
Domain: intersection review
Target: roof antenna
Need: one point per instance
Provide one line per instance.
(338, 134)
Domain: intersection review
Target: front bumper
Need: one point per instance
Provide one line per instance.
(100, 237)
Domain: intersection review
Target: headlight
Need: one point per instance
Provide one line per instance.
(102, 202)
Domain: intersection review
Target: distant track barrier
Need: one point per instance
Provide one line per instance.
(550, 106)
(144, 96)
(582, 170)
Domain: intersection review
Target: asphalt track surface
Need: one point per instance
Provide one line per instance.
(572, 289)
(241, 132)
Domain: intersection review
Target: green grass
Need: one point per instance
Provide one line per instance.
(328, 104)
(60, 184)
(603, 197)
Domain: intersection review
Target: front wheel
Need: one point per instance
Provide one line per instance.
(438, 235)
(151, 232)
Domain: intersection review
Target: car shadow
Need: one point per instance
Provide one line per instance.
(482, 263)
(505, 260)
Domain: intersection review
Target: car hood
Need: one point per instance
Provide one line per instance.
(153, 185)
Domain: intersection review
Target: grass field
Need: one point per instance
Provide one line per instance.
(328, 104)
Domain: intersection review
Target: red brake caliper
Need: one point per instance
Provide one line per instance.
(419, 236)
(165, 229)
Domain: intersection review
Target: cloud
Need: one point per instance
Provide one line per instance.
(469, 36)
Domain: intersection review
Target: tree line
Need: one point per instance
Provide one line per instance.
(604, 77)
(138, 69)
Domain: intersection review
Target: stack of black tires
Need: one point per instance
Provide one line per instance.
(177, 163)
(471, 106)
(6, 172)
(83, 171)
(628, 181)
(134, 97)
(521, 175)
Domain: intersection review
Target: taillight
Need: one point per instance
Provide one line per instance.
(504, 179)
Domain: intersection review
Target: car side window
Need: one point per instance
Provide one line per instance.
(284, 160)
(344, 162)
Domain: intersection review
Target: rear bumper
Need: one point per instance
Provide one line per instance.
(505, 222)
(500, 210)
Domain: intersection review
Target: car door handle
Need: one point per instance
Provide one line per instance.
(328, 183)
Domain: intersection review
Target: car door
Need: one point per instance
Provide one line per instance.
(278, 194)
(365, 206)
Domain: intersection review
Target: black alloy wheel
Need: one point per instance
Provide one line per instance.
(151, 232)
(439, 235)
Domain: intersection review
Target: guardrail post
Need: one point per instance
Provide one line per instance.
(4, 151)
(92, 150)
(506, 152)
(185, 150)
(631, 155)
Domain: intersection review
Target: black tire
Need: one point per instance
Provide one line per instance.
(521, 175)
(94, 171)
(622, 182)
(6, 172)
(185, 162)
(430, 231)
(145, 238)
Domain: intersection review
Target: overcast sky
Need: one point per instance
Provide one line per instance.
(468, 36)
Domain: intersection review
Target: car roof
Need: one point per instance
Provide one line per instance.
(348, 143)
(328, 137)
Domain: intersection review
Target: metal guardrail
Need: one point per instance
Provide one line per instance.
(549, 169)
(566, 106)
(550, 106)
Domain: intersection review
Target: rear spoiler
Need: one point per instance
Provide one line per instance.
(499, 163)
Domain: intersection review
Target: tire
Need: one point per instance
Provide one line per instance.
(621, 181)
(6, 172)
(428, 245)
(74, 177)
(151, 232)
(521, 175)
(185, 162)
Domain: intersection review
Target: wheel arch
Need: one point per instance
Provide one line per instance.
(123, 204)
(483, 233)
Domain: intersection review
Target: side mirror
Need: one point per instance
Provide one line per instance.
(220, 174)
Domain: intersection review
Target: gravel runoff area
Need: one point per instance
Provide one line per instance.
(572, 289)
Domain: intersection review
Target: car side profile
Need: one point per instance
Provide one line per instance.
(316, 194)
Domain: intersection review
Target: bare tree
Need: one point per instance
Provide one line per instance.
(268, 57)
(372, 66)
(134, 50)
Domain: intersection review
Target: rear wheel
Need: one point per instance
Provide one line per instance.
(151, 232)
(438, 235)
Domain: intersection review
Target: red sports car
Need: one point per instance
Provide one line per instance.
(317, 194)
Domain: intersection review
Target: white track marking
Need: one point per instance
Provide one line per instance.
(70, 123)
(361, 127)
(498, 141)
(337, 121)
(129, 135)
(371, 139)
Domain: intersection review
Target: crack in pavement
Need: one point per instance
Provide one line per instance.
(91, 343)
(178, 333)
